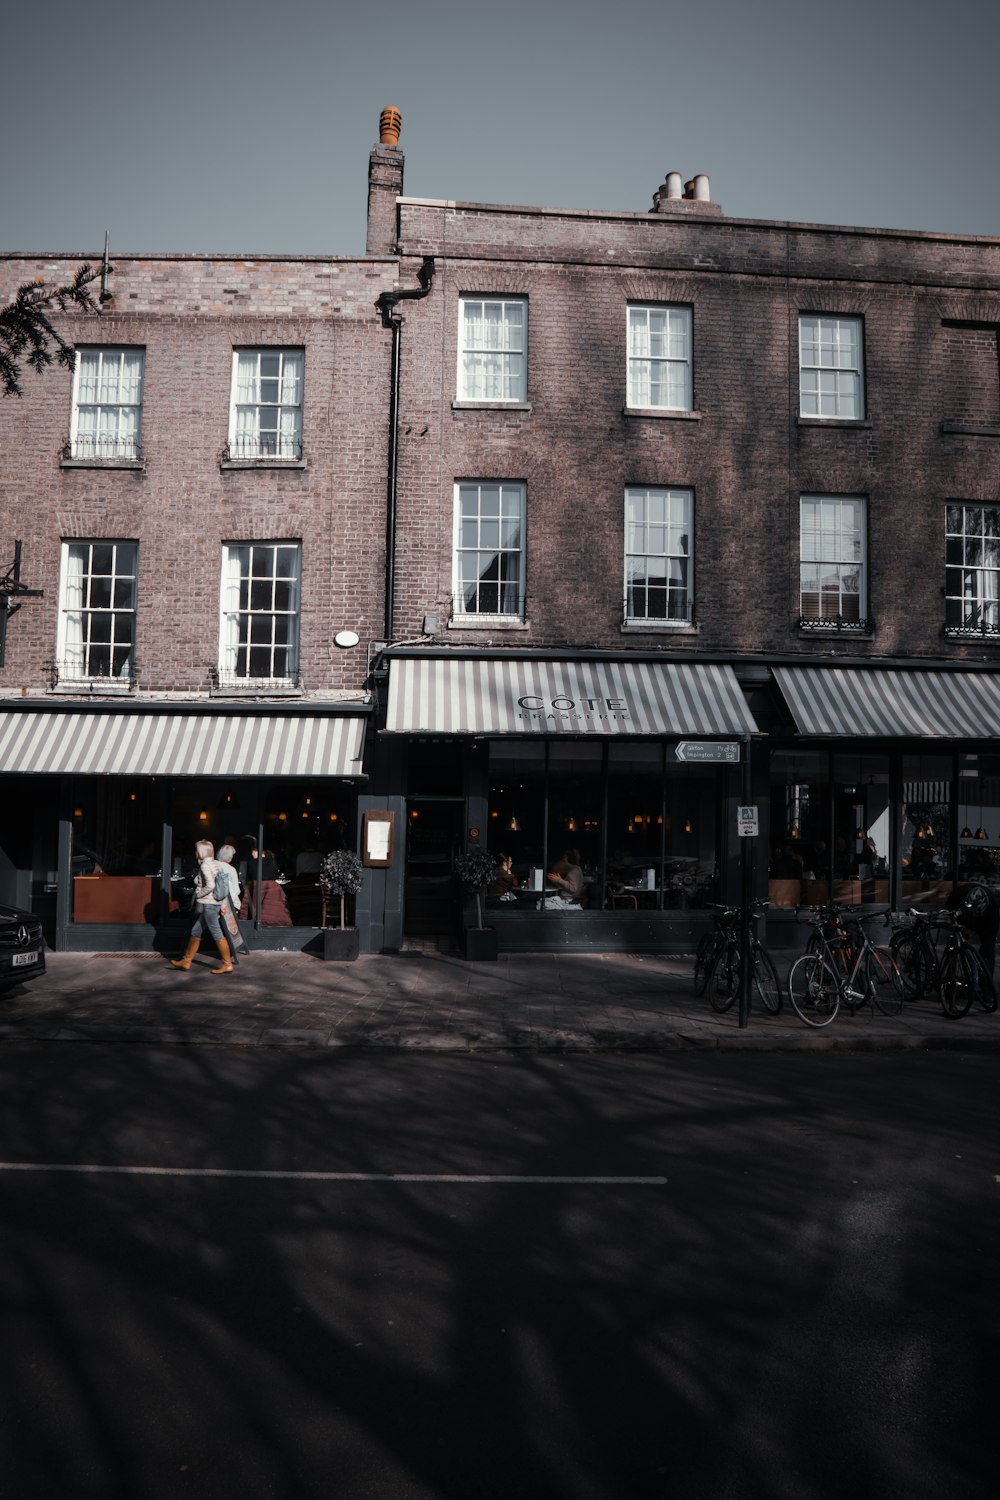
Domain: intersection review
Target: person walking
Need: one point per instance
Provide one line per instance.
(231, 905)
(210, 891)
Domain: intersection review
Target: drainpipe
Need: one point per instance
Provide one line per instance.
(387, 304)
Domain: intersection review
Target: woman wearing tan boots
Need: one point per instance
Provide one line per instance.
(207, 911)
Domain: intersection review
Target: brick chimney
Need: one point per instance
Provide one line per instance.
(693, 199)
(385, 184)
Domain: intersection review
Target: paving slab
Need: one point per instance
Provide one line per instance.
(435, 1002)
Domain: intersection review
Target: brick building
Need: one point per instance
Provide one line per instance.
(675, 487)
(637, 518)
(198, 512)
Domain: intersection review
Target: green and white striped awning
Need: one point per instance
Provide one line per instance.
(94, 742)
(513, 696)
(873, 702)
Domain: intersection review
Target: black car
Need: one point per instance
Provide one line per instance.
(22, 949)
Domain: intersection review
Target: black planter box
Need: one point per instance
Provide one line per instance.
(341, 942)
(481, 943)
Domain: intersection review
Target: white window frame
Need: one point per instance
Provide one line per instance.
(972, 568)
(275, 393)
(106, 417)
(489, 523)
(831, 367)
(833, 543)
(94, 604)
(659, 528)
(492, 350)
(261, 588)
(660, 342)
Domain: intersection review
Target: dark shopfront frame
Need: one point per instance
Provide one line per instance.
(602, 930)
(51, 751)
(785, 926)
(474, 698)
(166, 933)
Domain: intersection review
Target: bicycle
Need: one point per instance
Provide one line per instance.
(842, 965)
(957, 973)
(718, 963)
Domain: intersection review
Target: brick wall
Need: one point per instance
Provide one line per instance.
(189, 312)
(747, 456)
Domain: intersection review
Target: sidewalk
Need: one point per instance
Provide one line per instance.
(435, 1002)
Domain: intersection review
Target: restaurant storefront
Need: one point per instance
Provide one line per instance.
(884, 785)
(631, 769)
(103, 807)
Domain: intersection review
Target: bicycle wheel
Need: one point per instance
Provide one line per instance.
(765, 979)
(915, 971)
(724, 979)
(704, 960)
(958, 982)
(884, 983)
(813, 990)
(985, 989)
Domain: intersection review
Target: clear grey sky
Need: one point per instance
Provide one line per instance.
(245, 125)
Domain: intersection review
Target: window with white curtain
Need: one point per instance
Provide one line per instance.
(97, 610)
(260, 613)
(833, 547)
(489, 549)
(659, 358)
(107, 405)
(972, 571)
(265, 420)
(658, 556)
(831, 371)
(492, 349)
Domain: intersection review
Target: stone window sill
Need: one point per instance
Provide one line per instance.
(660, 627)
(491, 406)
(862, 422)
(132, 465)
(487, 622)
(661, 413)
(253, 464)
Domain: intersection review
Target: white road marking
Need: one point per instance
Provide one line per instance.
(86, 1168)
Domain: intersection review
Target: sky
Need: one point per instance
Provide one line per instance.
(245, 125)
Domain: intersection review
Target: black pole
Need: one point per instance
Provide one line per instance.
(746, 892)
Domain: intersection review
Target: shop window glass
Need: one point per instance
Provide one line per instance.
(978, 793)
(861, 829)
(516, 812)
(800, 862)
(925, 826)
(117, 850)
(574, 823)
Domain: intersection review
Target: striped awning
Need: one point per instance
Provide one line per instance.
(868, 702)
(502, 697)
(98, 743)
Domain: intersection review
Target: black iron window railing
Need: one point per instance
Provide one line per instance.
(836, 624)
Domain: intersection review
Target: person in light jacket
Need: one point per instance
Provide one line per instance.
(207, 911)
(230, 923)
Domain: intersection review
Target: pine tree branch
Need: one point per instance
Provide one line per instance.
(27, 333)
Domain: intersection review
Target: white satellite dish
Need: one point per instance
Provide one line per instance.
(346, 638)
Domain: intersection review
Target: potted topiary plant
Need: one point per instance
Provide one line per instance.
(475, 869)
(341, 874)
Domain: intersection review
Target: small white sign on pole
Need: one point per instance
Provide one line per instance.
(746, 822)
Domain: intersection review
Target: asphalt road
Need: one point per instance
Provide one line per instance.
(716, 1277)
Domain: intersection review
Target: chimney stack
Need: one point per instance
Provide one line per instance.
(385, 184)
(696, 198)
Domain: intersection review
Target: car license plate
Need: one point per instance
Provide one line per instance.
(22, 960)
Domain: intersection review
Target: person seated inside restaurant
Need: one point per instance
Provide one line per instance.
(567, 876)
(505, 882)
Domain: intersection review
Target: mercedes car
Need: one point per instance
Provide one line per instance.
(22, 948)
